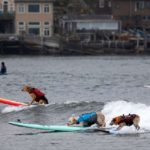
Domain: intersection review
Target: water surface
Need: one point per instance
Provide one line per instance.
(75, 85)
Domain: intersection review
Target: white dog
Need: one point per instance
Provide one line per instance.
(88, 119)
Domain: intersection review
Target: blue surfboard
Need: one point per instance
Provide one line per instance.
(59, 128)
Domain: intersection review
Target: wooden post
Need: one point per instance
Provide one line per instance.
(145, 39)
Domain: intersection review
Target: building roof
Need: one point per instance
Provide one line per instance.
(89, 17)
(33, 1)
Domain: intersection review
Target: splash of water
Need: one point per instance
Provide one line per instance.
(116, 108)
(9, 109)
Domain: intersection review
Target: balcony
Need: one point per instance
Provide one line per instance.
(7, 15)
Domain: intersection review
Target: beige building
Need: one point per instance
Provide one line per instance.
(7, 6)
(34, 17)
(7, 16)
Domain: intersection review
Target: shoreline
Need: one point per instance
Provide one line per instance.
(61, 48)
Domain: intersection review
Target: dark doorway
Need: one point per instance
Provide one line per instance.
(6, 26)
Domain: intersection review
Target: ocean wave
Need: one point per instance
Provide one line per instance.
(110, 109)
(9, 109)
(68, 105)
(116, 108)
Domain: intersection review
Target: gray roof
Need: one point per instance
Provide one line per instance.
(88, 17)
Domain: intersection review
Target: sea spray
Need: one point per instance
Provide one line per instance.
(9, 109)
(116, 108)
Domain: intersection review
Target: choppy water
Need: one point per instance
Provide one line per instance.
(74, 85)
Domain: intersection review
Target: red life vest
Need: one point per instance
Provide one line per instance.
(38, 93)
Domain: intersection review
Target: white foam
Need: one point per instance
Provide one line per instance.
(9, 109)
(147, 86)
(116, 108)
(76, 102)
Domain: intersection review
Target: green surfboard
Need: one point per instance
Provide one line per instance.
(59, 128)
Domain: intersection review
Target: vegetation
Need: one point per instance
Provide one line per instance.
(73, 7)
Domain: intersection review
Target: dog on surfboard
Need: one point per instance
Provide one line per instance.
(88, 119)
(126, 120)
(36, 95)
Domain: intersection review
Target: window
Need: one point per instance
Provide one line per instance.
(5, 6)
(34, 31)
(139, 5)
(148, 4)
(109, 3)
(34, 8)
(34, 28)
(146, 18)
(101, 3)
(124, 18)
(34, 23)
(46, 32)
(21, 26)
(11, 7)
(21, 8)
(1, 7)
(46, 28)
(46, 8)
(117, 6)
(46, 23)
(21, 23)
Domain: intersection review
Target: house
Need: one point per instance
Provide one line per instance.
(7, 16)
(89, 22)
(100, 7)
(34, 17)
(132, 13)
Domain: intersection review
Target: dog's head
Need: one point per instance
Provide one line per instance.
(27, 88)
(115, 121)
(72, 120)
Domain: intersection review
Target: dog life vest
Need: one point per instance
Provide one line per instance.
(90, 118)
(128, 119)
(38, 93)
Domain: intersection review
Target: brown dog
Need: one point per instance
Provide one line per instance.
(36, 95)
(88, 119)
(129, 120)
